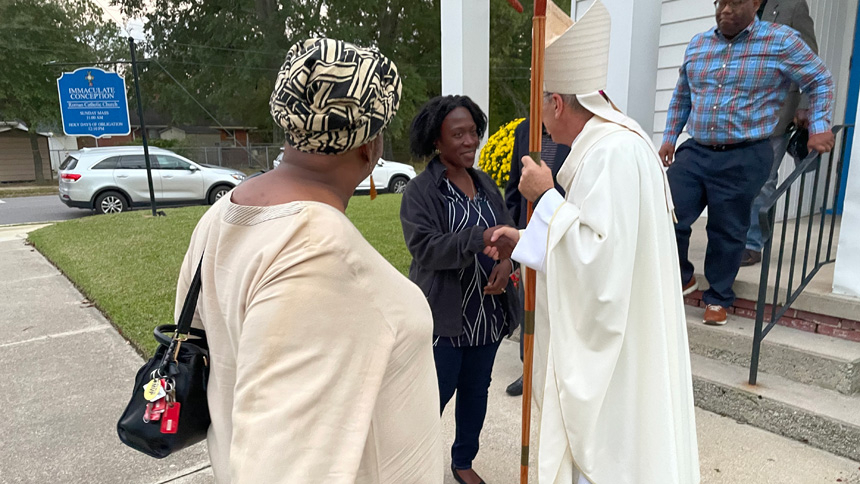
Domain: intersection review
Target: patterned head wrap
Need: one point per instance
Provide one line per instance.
(332, 96)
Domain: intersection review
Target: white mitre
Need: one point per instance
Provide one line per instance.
(577, 59)
(576, 62)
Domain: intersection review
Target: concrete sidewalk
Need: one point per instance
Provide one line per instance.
(729, 452)
(70, 375)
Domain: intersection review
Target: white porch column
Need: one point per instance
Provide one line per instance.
(633, 52)
(466, 50)
(846, 277)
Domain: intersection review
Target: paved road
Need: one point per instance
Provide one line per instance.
(37, 209)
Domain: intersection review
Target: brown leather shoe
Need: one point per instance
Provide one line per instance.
(714, 315)
(691, 287)
(750, 257)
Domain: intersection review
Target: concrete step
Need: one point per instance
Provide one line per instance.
(817, 298)
(825, 419)
(803, 357)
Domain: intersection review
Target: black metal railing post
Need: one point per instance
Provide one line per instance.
(767, 218)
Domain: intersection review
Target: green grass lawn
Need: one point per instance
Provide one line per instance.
(128, 264)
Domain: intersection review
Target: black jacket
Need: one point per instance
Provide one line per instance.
(516, 203)
(438, 255)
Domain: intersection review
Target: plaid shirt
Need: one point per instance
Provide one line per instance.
(730, 91)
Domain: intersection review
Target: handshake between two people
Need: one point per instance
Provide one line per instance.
(536, 179)
(500, 241)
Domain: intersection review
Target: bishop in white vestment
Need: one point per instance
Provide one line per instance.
(612, 374)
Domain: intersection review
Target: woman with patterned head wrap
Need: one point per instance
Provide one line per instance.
(321, 372)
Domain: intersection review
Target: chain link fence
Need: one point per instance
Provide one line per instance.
(255, 156)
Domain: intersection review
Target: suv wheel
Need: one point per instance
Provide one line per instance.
(218, 192)
(398, 184)
(111, 202)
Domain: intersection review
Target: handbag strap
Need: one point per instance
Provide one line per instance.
(190, 306)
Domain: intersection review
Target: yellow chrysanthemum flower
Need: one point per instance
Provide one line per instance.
(495, 158)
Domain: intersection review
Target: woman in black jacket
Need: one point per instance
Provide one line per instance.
(448, 214)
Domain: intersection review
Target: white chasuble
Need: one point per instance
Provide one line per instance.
(612, 367)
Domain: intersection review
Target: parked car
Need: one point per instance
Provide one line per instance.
(113, 179)
(389, 176)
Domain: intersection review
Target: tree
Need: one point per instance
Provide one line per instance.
(510, 61)
(226, 53)
(37, 32)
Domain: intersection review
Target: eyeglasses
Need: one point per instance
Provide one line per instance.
(721, 4)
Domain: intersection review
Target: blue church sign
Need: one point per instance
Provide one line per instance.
(93, 103)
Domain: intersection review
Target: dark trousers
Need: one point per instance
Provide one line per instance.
(468, 371)
(726, 182)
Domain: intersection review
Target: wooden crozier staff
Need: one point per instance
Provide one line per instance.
(535, 124)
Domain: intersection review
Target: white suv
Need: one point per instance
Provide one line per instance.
(389, 176)
(112, 180)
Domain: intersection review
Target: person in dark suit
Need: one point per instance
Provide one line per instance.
(794, 14)
(553, 155)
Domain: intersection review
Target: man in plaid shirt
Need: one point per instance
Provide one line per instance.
(732, 85)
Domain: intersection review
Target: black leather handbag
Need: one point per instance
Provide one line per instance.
(179, 370)
(797, 143)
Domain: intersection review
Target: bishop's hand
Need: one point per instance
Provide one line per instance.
(535, 179)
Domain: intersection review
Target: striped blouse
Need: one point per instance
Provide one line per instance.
(484, 316)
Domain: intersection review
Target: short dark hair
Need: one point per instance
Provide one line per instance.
(568, 99)
(427, 124)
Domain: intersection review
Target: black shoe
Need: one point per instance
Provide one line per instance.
(750, 257)
(457, 476)
(515, 389)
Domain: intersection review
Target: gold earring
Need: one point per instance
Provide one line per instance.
(372, 189)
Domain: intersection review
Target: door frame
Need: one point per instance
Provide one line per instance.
(850, 112)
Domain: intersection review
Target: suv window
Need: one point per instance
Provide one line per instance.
(107, 164)
(132, 162)
(172, 163)
(69, 163)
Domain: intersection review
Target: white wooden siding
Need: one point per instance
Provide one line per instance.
(834, 30)
(682, 19)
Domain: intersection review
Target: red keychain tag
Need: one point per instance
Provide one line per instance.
(170, 419)
(158, 407)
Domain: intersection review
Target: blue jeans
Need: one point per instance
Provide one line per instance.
(726, 182)
(467, 370)
(755, 239)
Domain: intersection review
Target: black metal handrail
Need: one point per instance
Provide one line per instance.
(811, 165)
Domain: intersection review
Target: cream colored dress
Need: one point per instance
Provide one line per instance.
(322, 367)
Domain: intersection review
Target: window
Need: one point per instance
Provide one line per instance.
(69, 163)
(107, 164)
(172, 163)
(133, 162)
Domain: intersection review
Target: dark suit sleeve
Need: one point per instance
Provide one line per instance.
(513, 198)
(561, 153)
(802, 22)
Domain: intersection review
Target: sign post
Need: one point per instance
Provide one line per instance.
(142, 125)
